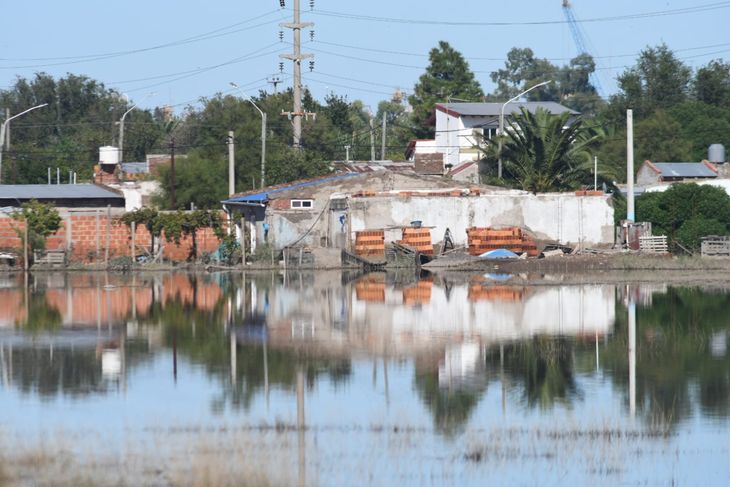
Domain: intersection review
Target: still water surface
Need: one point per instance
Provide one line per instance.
(343, 379)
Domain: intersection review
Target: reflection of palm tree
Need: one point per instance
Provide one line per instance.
(545, 366)
(451, 408)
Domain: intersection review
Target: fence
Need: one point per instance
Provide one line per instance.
(94, 236)
(715, 246)
(654, 245)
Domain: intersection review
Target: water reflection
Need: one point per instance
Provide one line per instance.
(457, 338)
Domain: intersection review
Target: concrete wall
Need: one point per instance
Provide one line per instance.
(563, 217)
(647, 175)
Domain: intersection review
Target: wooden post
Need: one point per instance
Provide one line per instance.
(108, 234)
(134, 246)
(25, 246)
(243, 239)
(98, 231)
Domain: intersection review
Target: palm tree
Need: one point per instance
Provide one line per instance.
(544, 152)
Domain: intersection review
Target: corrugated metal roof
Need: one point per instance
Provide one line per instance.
(263, 196)
(685, 170)
(55, 191)
(135, 167)
(493, 109)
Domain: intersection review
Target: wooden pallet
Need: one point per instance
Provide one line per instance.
(715, 247)
(654, 244)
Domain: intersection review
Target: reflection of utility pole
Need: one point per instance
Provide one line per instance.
(266, 375)
(501, 377)
(233, 358)
(632, 354)
(301, 426)
(385, 379)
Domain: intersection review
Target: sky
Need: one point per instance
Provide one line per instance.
(175, 52)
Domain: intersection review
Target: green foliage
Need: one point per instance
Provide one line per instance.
(712, 84)
(42, 220)
(541, 155)
(176, 225)
(686, 212)
(447, 76)
(658, 80)
(80, 117)
(571, 83)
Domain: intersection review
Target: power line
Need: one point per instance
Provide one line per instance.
(96, 57)
(644, 15)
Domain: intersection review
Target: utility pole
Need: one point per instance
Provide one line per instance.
(630, 214)
(347, 153)
(372, 138)
(7, 130)
(274, 80)
(382, 148)
(231, 164)
(173, 199)
(296, 57)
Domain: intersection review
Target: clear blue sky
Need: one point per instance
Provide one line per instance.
(240, 41)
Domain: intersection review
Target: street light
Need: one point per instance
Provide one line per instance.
(501, 121)
(2, 133)
(121, 126)
(263, 132)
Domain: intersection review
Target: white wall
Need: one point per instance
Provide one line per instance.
(134, 192)
(563, 217)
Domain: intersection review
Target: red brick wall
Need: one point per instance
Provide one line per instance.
(84, 239)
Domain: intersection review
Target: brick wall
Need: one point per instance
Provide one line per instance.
(89, 235)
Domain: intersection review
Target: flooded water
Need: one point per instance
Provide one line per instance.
(345, 379)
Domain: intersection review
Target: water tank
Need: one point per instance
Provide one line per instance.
(716, 153)
(108, 155)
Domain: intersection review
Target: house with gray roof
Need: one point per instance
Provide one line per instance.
(664, 172)
(462, 128)
(62, 196)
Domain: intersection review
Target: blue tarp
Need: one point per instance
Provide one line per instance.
(499, 254)
(264, 196)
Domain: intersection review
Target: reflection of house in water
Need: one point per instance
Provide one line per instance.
(421, 315)
(461, 364)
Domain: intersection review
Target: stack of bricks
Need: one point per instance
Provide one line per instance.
(479, 292)
(418, 238)
(370, 243)
(418, 294)
(371, 289)
(483, 240)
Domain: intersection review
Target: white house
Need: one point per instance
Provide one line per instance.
(460, 127)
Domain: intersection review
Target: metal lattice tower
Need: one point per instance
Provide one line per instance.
(580, 44)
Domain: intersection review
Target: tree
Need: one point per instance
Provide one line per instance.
(712, 84)
(447, 76)
(658, 80)
(80, 117)
(571, 83)
(543, 153)
(41, 219)
(686, 212)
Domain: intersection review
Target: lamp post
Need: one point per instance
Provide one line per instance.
(263, 132)
(121, 127)
(501, 121)
(3, 127)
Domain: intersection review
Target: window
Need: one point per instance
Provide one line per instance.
(301, 204)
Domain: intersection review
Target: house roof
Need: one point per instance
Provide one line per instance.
(494, 109)
(683, 169)
(56, 192)
(462, 167)
(259, 196)
(366, 166)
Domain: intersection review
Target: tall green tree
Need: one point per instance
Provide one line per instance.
(543, 152)
(712, 84)
(81, 116)
(447, 76)
(658, 80)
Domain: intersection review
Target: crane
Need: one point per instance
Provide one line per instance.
(579, 40)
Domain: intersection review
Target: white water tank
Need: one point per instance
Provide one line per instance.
(716, 153)
(108, 155)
